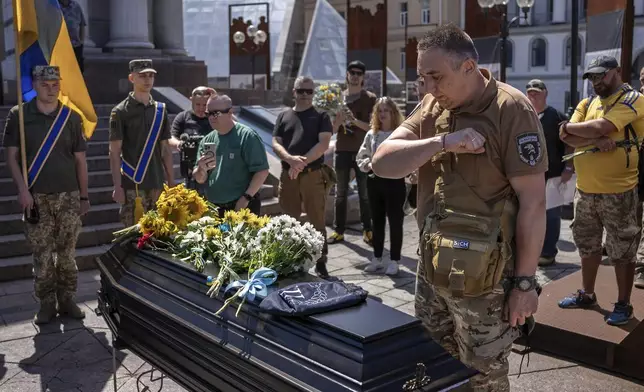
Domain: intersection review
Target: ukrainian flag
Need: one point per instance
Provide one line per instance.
(42, 39)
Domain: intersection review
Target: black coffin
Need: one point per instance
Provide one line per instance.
(158, 308)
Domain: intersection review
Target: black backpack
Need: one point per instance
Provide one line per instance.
(629, 132)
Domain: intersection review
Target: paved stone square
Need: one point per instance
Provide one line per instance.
(69, 355)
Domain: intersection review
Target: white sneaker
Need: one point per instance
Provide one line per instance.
(392, 268)
(374, 265)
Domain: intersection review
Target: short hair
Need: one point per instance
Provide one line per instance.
(303, 79)
(203, 91)
(223, 98)
(452, 40)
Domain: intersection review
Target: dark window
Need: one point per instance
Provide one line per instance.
(539, 52)
(569, 51)
(509, 54)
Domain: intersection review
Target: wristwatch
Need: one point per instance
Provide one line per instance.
(247, 196)
(84, 198)
(524, 283)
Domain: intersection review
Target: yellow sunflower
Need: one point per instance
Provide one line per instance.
(212, 232)
(175, 213)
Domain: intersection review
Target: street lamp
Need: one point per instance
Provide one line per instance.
(258, 38)
(502, 7)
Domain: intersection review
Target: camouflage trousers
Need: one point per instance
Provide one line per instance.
(53, 243)
(149, 200)
(617, 213)
(471, 330)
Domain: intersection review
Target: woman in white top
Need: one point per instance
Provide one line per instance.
(386, 196)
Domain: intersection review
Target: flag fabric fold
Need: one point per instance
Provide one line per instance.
(42, 39)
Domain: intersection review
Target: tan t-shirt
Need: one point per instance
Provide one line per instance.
(515, 144)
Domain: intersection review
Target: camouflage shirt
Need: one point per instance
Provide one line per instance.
(130, 122)
(74, 19)
(58, 173)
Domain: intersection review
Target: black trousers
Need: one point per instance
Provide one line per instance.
(387, 198)
(78, 51)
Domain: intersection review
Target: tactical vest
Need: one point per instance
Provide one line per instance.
(466, 244)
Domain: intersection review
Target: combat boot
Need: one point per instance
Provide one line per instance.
(46, 313)
(69, 308)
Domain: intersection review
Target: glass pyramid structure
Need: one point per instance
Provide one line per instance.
(206, 34)
(325, 53)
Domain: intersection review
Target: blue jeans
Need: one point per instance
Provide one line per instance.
(344, 162)
(553, 229)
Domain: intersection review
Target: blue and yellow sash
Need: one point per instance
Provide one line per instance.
(138, 174)
(48, 144)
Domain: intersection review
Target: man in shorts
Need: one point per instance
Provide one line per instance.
(607, 184)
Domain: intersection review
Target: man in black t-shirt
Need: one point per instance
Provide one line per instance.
(193, 123)
(550, 119)
(300, 138)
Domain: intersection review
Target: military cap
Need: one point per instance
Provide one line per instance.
(600, 64)
(141, 66)
(46, 72)
(536, 85)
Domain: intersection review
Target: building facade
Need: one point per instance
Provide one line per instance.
(419, 15)
(540, 46)
(118, 31)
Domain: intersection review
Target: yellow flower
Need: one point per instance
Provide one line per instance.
(212, 232)
(332, 96)
(175, 213)
(152, 223)
(257, 222)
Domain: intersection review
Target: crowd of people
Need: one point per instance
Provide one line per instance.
(479, 152)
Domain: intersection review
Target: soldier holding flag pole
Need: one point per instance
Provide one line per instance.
(47, 135)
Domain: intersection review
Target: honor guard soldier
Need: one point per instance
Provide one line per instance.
(55, 195)
(139, 148)
(482, 158)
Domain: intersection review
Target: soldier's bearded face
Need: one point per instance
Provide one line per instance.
(449, 86)
(604, 84)
(47, 90)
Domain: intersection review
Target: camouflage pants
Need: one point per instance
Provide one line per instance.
(53, 243)
(614, 212)
(471, 329)
(149, 199)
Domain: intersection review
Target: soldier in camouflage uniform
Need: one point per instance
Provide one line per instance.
(57, 190)
(480, 150)
(131, 121)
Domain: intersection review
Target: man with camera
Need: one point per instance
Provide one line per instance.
(188, 128)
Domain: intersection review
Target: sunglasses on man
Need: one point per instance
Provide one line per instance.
(302, 91)
(356, 73)
(217, 113)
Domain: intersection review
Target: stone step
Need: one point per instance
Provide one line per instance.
(100, 178)
(99, 196)
(97, 215)
(20, 267)
(94, 164)
(16, 244)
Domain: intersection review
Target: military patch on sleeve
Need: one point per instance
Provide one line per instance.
(529, 146)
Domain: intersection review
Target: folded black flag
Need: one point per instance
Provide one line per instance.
(301, 299)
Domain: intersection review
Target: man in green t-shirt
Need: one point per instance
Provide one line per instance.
(55, 195)
(140, 153)
(236, 171)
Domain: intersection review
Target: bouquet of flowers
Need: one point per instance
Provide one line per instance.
(190, 229)
(328, 97)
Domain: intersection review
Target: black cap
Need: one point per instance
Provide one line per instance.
(600, 65)
(536, 85)
(357, 64)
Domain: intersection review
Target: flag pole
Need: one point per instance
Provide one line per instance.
(21, 118)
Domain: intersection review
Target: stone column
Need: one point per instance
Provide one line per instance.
(168, 26)
(559, 11)
(88, 41)
(129, 25)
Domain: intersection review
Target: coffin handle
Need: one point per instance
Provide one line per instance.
(420, 380)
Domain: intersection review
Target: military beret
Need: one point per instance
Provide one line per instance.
(141, 66)
(46, 72)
